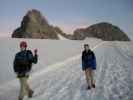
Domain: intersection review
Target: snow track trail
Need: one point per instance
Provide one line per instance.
(13, 85)
(65, 80)
(113, 78)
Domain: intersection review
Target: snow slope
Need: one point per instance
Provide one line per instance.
(58, 74)
(61, 37)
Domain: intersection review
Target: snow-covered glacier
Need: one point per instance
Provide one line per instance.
(58, 74)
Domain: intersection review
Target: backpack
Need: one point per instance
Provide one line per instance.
(21, 62)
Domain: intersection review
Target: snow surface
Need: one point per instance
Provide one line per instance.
(61, 37)
(58, 74)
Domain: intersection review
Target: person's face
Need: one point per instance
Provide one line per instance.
(22, 48)
(86, 48)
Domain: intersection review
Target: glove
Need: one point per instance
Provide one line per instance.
(35, 51)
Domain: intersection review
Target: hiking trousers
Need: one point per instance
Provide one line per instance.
(24, 87)
(89, 73)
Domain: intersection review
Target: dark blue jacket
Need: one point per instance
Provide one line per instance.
(88, 60)
(23, 62)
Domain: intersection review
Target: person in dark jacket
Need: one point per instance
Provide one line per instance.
(22, 67)
(89, 65)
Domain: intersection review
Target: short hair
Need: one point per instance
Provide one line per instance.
(86, 45)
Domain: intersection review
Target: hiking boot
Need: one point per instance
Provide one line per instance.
(31, 93)
(93, 85)
(20, 98)
(88, 88)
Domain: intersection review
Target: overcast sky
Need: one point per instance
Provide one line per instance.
(68, 14)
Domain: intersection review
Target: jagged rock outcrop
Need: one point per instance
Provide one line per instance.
(104, 31)
(34, 25)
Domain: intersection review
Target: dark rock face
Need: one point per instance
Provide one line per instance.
(104, 31)
(34, 25)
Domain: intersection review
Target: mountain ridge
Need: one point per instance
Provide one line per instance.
(35, 25)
